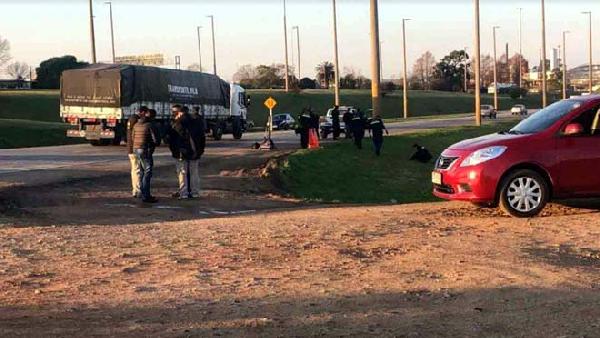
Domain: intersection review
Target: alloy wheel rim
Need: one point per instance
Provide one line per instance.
(524, 194)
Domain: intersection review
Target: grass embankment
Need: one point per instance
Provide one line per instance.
(341, 173)
(24, 133)
(421, 103)
(36, 105)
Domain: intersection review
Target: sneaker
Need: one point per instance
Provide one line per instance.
(136, 196)
(150, 199)
(175, 194)
(186, 197)
(194, 195)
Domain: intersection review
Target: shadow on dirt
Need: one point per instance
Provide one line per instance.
(490, 312)
(565, 256)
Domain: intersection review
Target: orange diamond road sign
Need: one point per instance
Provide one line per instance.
(270, 103)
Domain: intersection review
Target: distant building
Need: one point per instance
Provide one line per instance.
(579, 77)
(15, 84)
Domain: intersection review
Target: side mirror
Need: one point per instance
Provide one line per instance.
(573, 129)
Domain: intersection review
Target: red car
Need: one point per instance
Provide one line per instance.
(554, 154)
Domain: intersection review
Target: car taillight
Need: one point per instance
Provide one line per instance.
(72, 120)
(89, 120)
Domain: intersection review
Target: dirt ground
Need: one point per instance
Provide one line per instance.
(83, 259)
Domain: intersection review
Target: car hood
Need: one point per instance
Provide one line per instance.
(485, 141)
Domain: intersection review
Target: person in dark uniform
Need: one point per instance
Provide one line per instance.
(335, 122)
(303, 128)
(198, 134)
(136, 169)
(376, 128)
(347, 118)
(146, 137)
(358, 129)
(314, 121)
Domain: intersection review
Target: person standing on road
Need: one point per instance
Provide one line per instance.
(358, 129)
(182, 148)
(136, 169)
(376, 128)
(146, 137)
(314, 122)
(347, 118)
(198, 134)
(303, 128)
(335, 122)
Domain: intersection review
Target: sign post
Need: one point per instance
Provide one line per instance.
(270, 103)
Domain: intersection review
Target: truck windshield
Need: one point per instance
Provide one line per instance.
(546, 117)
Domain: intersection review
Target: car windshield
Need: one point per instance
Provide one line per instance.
(545, 118)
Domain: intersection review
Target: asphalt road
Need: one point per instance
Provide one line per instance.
(22, 166)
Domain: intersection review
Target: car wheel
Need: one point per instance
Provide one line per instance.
(524, 193)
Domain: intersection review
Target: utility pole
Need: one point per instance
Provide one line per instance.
(405, 80)
(590, 51)
(477, 67)
(92, 33)
(212, 25)
(287, 69)
(495, 71)
(375, 59)
(297, 28)
(564, 64)
(520, 48)
(544, 84)
(199, 49)
(336, 56)
(466, 71)
(112, 31)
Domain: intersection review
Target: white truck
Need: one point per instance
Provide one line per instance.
(99, 99)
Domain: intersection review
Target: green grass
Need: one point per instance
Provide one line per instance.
(23, 134)
(421, 103)
(43, 105)
(341, 173)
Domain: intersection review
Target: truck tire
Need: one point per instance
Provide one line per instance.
(217, 132)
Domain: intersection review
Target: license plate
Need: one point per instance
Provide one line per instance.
(436, 178)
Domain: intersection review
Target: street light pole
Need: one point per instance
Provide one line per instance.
(336, 56)
(564, 64)
(297, 28)
(520, 48)
(477, 67)
(544, 84)
(405, 80)
(590, 52)
(287, 69)
(92, 33)
(199, 49)
(212, 25)
(466, 71)
(112, 32)
(495, 71)
(375, 59)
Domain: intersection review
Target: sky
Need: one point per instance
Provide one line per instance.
(251, 32)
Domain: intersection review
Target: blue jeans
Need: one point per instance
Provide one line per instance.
(147, 163)
(377, 144)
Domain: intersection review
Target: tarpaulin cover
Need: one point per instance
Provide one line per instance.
(104, 85)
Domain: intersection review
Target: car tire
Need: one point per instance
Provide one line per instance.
(324, 135)
(217, 132)
(524, 193)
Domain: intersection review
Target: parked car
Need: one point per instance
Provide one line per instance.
(552, 154)
(283, 122)
(518, 109)
(326, 125)
(488, 111)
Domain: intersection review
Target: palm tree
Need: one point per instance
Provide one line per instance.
(325, 73)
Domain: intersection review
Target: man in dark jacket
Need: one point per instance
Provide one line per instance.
(198, 134)
(182, 148)
(136, 169)
(377, 128)
(358, 129)
(303, 128)
(314, 122)
(146, 137)
(335, 122)
(347, 118)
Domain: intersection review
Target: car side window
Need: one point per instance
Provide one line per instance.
(590, 120)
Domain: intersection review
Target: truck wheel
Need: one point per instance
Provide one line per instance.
(524, 193)
(324, 134)
(217, 132)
